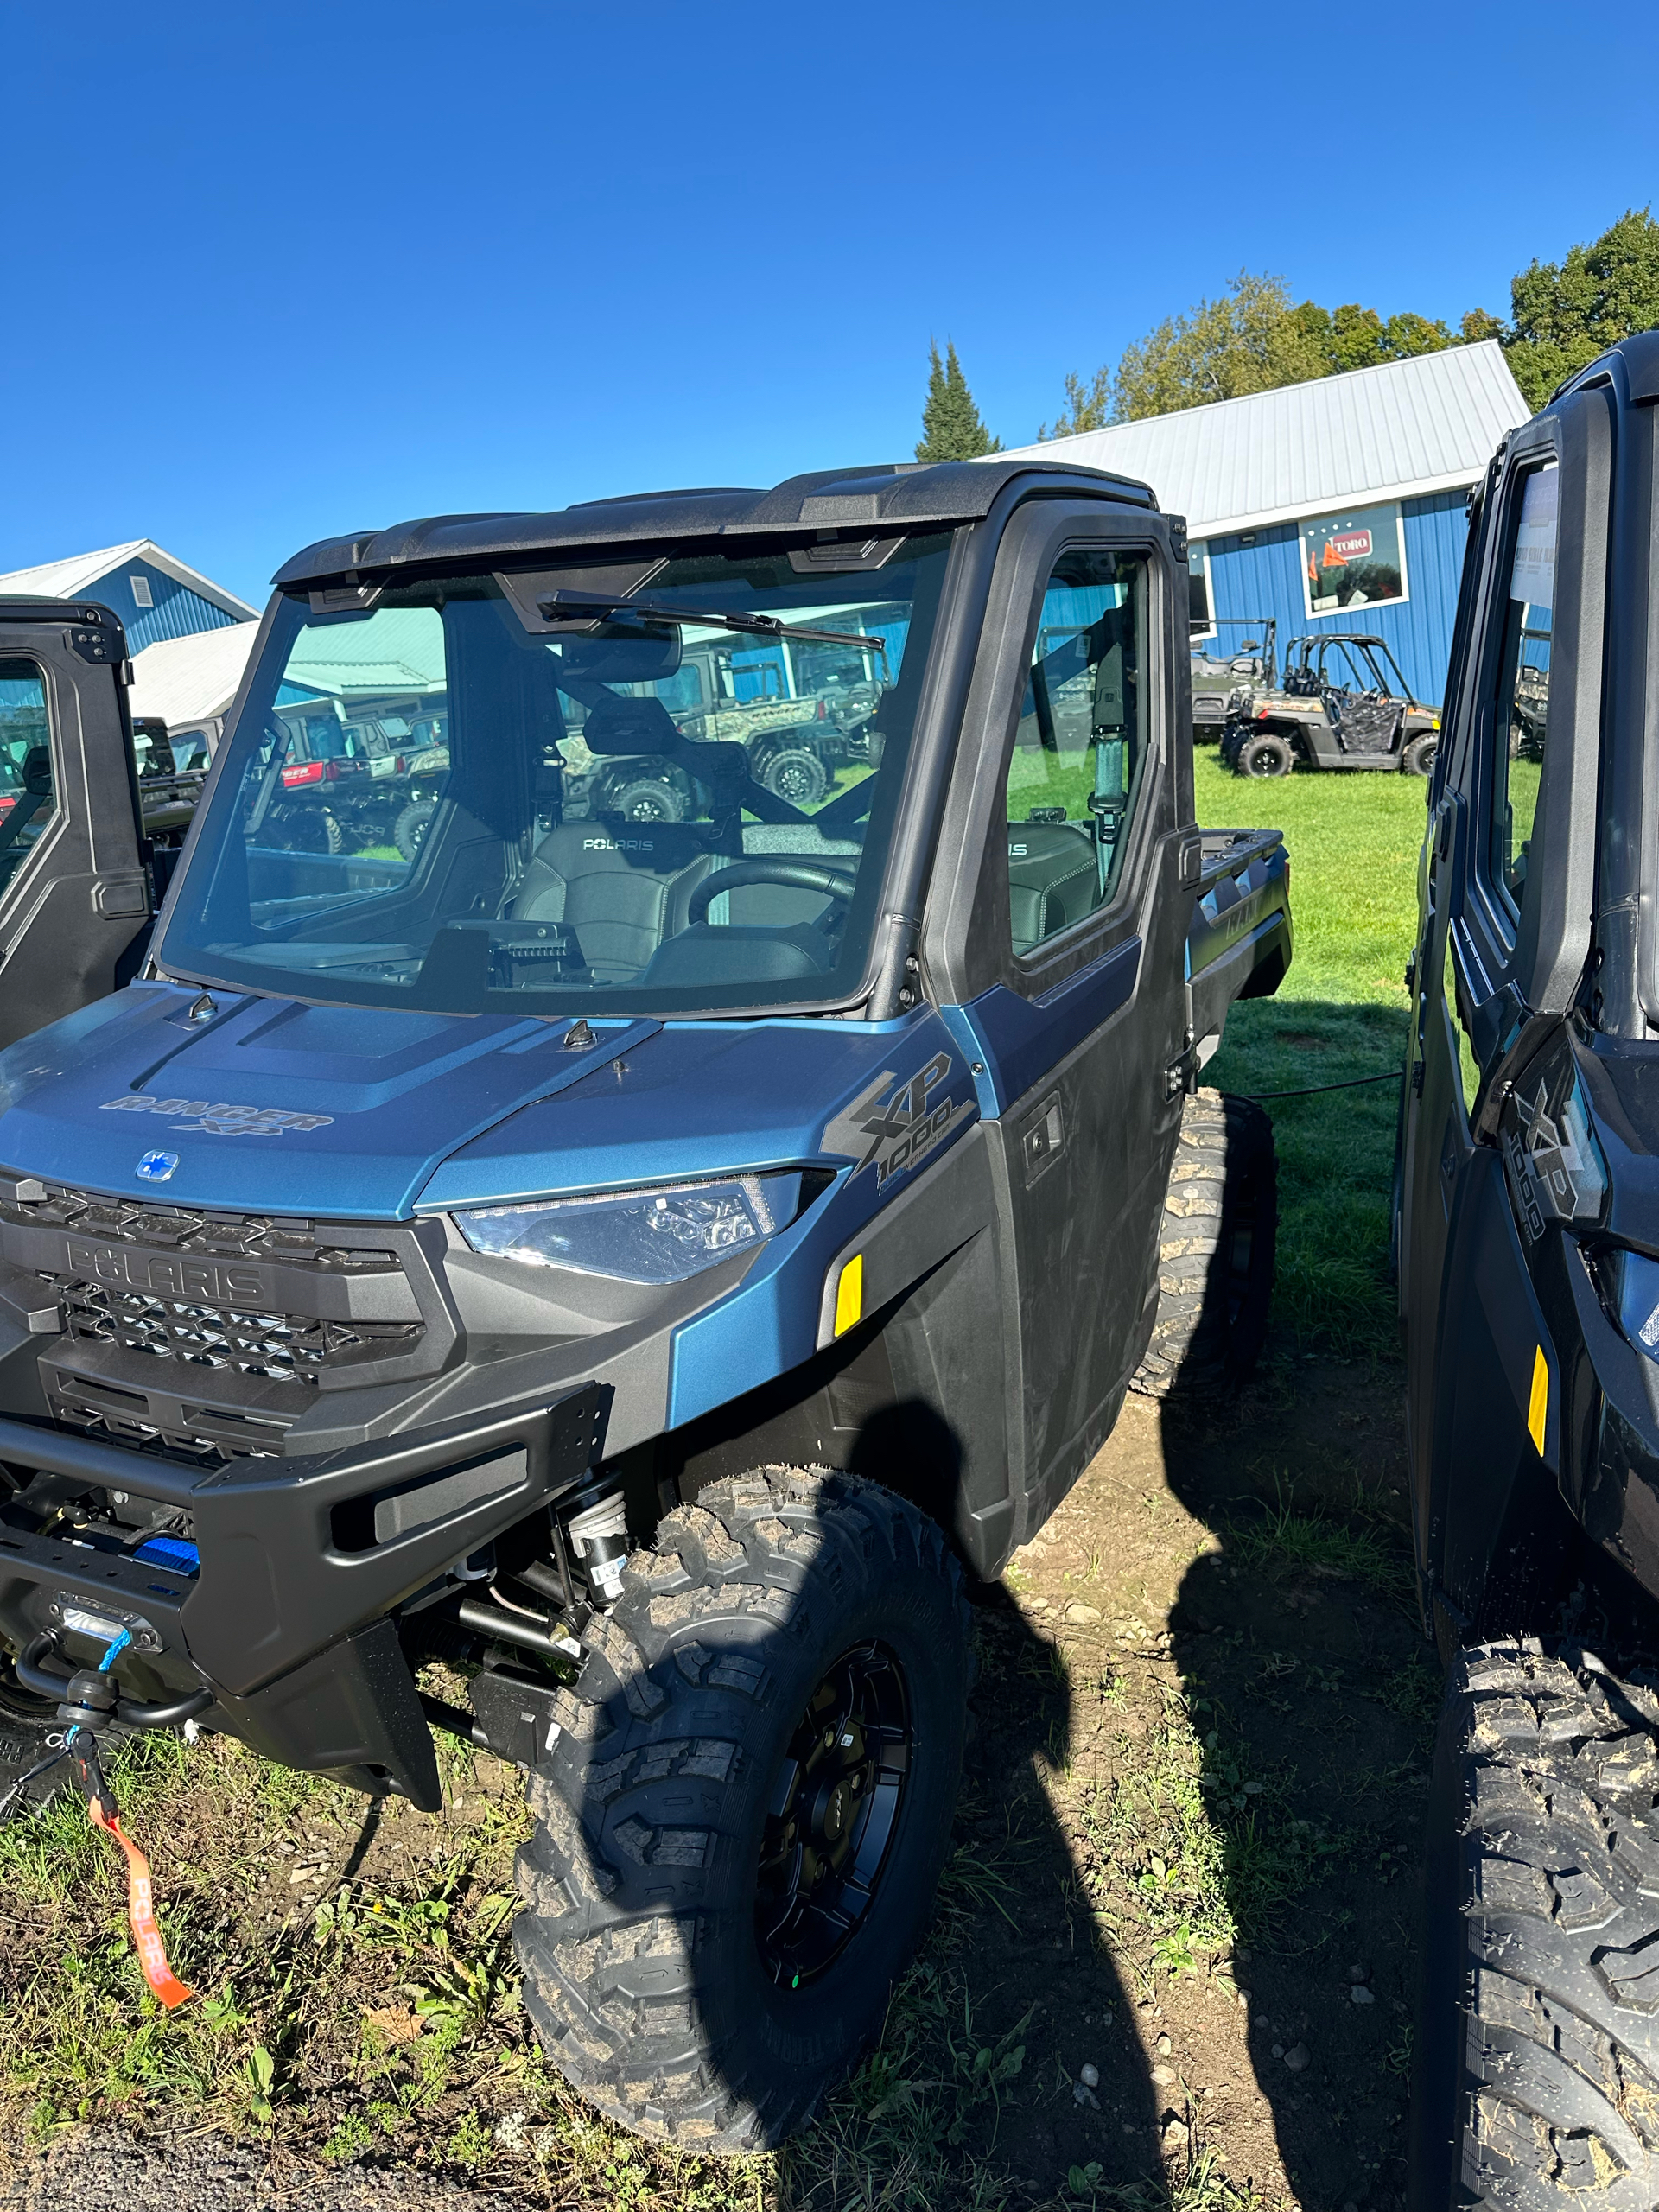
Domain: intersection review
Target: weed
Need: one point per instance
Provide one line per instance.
(352, 2138)
(1285, 1540)
(1414, 1691)
(258, 2078)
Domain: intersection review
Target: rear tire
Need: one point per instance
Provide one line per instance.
(645, 798)
(1536, 2077)
(1266, 755)
(796, 774)
(658, 1879)
(1216, 1249)
(408, 832)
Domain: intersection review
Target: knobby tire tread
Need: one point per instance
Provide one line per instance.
(1549, 1781)
(617, 1922)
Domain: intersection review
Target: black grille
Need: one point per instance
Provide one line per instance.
(181, 1229)
(281, 1347)
(206, 1333)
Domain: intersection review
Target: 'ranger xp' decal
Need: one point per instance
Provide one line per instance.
(220, 1121)
(1552, 1159)
(908, 1123)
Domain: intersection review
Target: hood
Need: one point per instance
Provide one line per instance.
(275, 1107)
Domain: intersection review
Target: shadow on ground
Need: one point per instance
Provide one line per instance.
(973, 2097)
(1299, 1632)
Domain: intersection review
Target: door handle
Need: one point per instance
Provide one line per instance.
(1042, 1139)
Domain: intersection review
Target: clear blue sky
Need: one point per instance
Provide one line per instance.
(280, 271)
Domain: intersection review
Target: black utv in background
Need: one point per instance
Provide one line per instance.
(1528, 1237)
(87, 842)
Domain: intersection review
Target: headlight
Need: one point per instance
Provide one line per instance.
(662, 1235)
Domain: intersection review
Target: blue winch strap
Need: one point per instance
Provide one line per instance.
(114, 1651)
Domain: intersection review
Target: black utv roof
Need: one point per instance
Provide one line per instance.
(902, 496)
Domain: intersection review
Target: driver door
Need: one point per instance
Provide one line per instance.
(1507, 896)
(1070, 924)
(75, 895)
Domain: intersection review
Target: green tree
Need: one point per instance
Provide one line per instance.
(1251, 339)
(1247, 340)
(1087, 406)
(951, 426)
(1563, 314)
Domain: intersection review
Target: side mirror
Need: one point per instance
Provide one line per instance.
(37, 771)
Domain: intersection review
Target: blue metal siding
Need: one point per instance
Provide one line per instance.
(178, 611)
(1263, 576)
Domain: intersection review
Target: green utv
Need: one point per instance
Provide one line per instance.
(657, 1268)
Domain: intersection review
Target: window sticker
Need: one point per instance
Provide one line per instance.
(1353, 559)
(1532, 576)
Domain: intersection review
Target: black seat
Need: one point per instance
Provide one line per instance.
(1054, 879)
(621, 886)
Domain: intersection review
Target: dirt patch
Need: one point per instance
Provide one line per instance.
(1215, 1799)
(1173, 1960)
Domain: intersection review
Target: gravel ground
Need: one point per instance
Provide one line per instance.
(102, 2167)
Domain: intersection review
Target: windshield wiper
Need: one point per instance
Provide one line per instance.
(576, 606)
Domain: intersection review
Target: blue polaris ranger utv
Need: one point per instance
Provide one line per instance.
(653, 1267)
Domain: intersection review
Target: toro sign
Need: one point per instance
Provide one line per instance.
(1352, 545)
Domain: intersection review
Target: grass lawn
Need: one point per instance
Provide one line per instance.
(1342, 1011)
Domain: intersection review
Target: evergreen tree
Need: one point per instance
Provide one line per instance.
(951, 426)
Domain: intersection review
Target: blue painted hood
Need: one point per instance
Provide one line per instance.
(277, 1106)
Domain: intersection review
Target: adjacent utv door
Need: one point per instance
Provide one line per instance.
(1507, 896)
(73, 891)
(1063, 927)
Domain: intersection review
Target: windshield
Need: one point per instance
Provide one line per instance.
(477, 795)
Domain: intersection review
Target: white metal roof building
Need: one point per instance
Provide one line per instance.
(1334, 504)
(154, 594)
(189, 683)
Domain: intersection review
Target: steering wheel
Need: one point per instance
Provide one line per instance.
(790, 875)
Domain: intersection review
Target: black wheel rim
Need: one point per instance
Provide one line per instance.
(800, 782)
(832, 1816)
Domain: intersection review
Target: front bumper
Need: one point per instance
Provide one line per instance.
(302, 1561)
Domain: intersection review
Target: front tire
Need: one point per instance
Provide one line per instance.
(1536, 2077)
(1417, 754)
(745, 1807)
(1266, 755)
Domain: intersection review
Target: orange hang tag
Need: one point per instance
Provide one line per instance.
(140, 1913)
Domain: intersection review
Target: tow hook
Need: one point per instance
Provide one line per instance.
(89, 1702)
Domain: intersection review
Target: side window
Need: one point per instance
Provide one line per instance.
(28, 793)
(1521, 724)
(1080, 746)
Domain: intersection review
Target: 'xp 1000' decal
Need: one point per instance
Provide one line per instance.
(1550, 1156)
(220, 1121)
(908, 1123)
